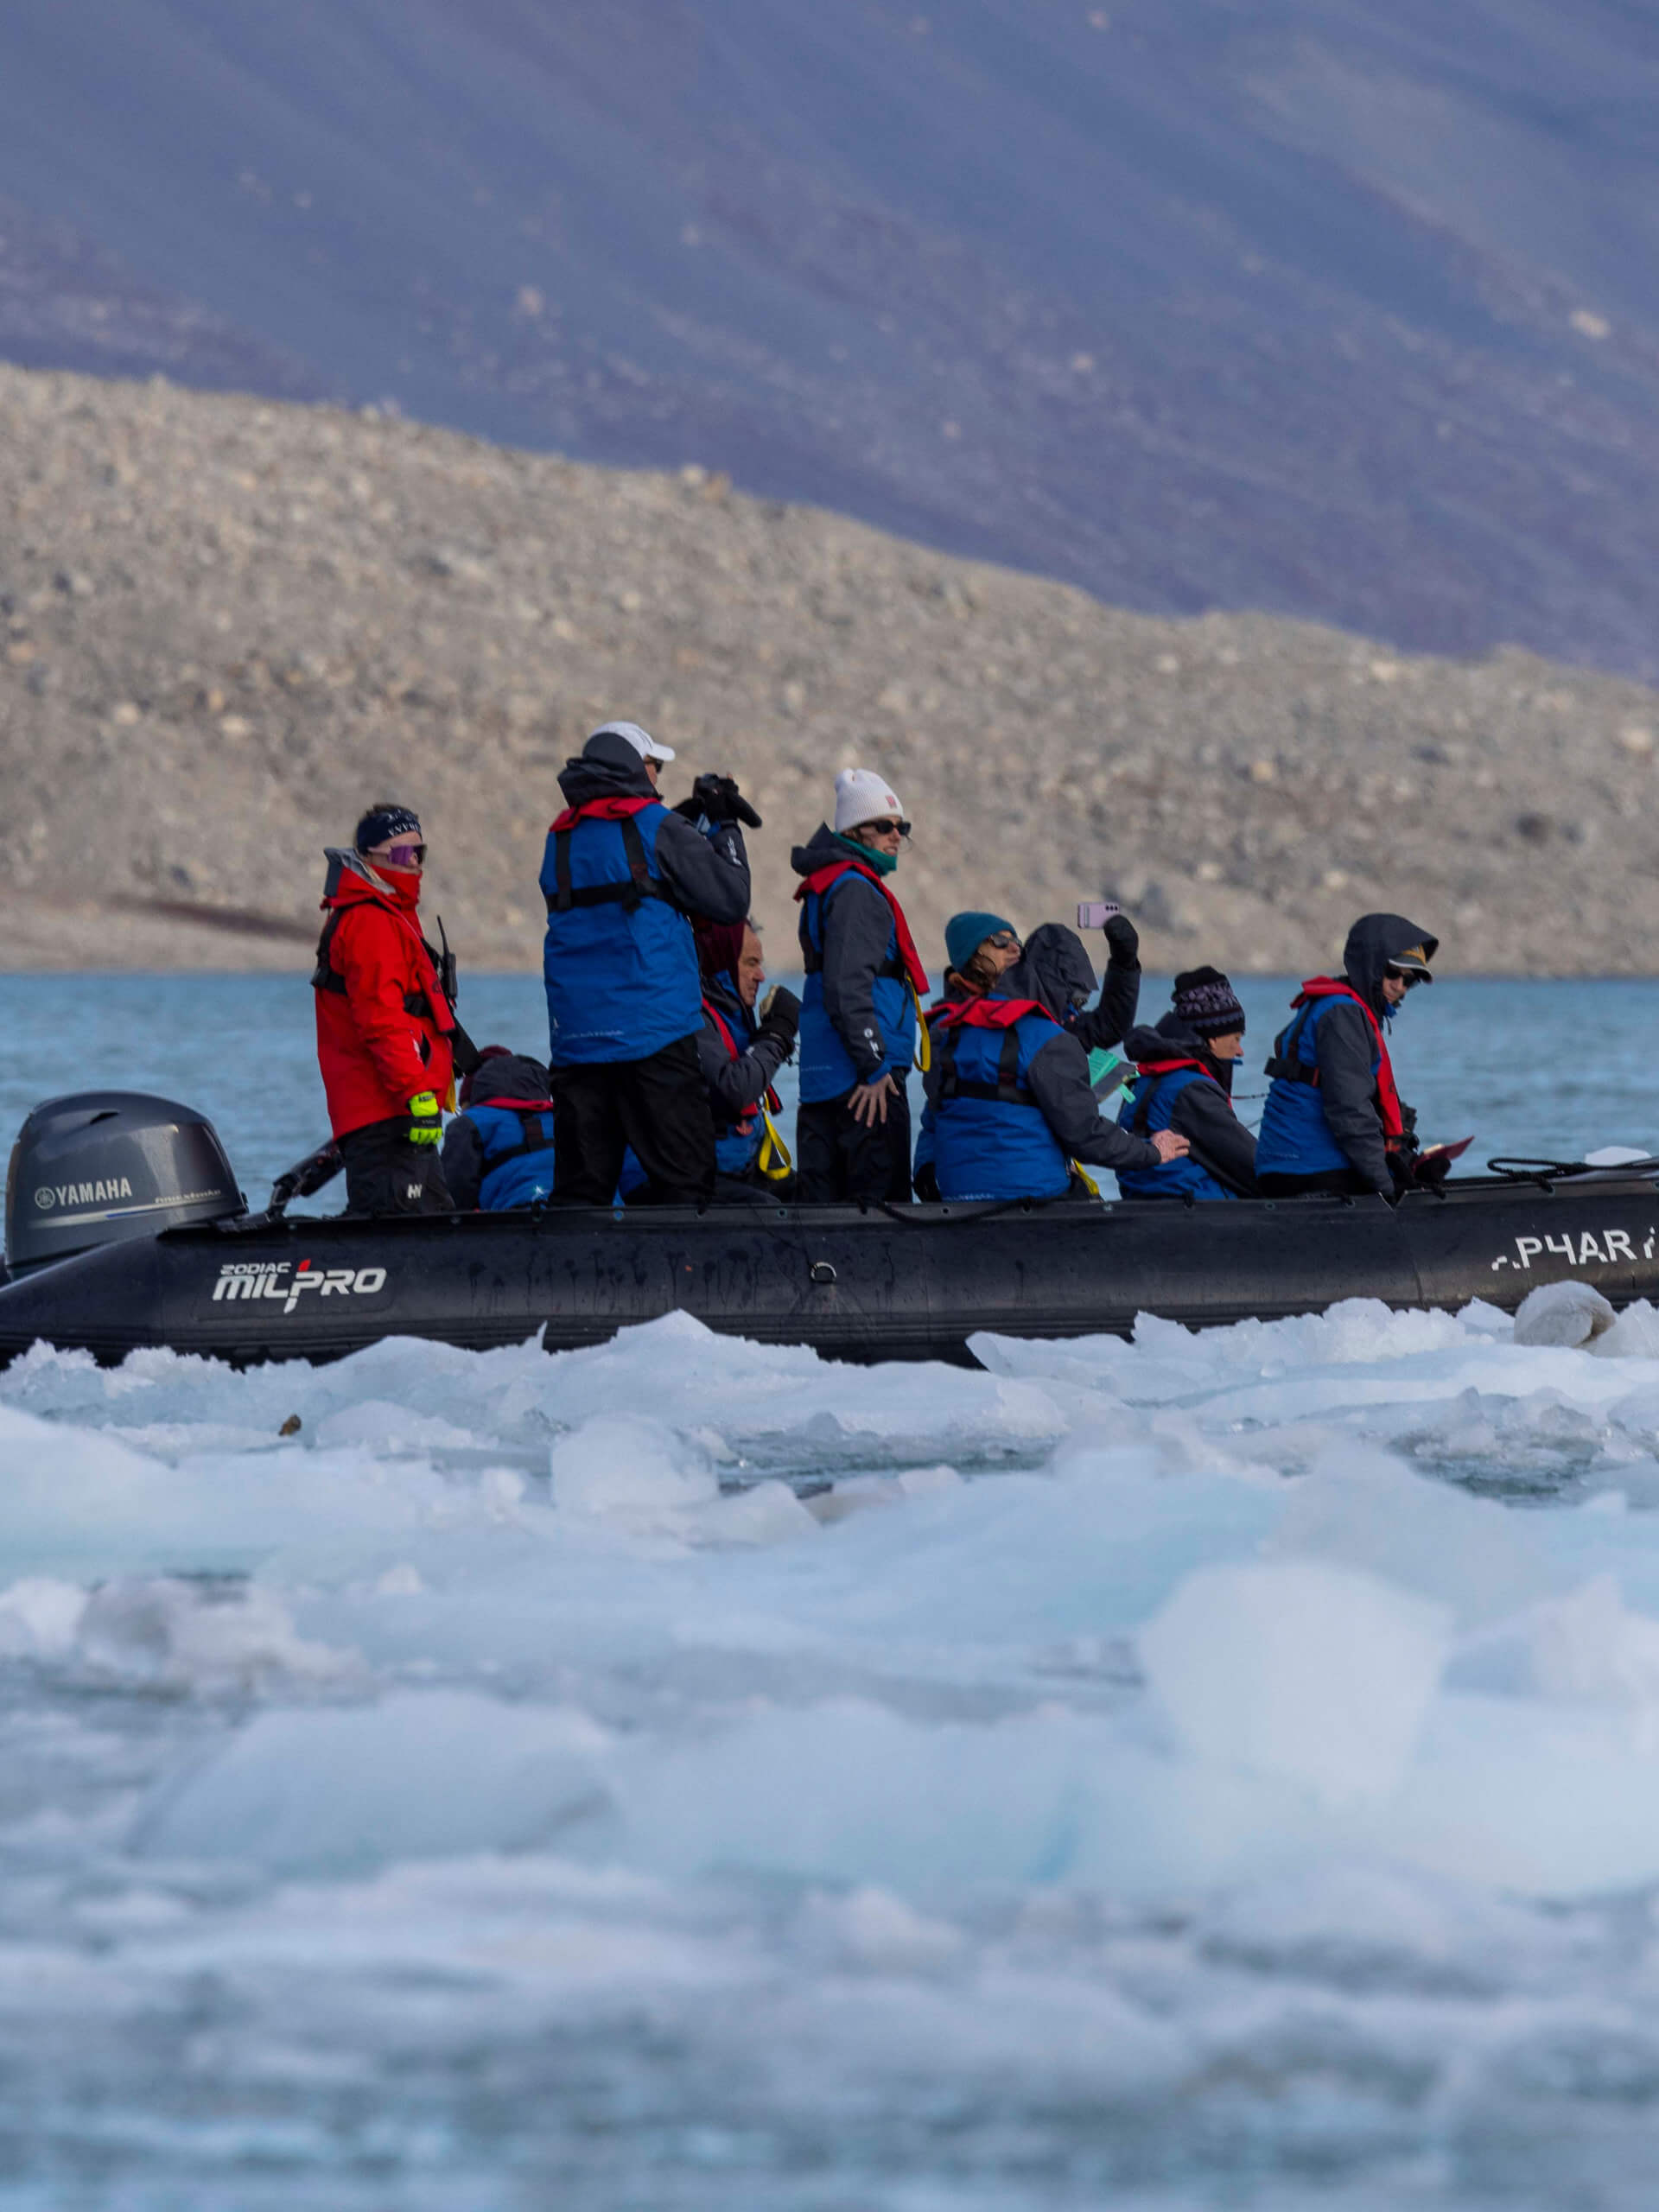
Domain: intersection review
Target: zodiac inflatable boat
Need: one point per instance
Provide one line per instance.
(125, 1228)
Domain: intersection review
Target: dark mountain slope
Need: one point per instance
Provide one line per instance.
(1303, 306)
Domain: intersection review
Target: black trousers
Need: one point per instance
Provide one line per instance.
(839, 1158)
(1335, 1182)
(658, 1105)
(385, 1173)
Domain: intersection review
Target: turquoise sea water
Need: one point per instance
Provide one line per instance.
(1551, 1068)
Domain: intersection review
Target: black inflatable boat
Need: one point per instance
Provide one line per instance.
(126, 1229)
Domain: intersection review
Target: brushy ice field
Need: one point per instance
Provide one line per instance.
(1165, 1775)
(1215, 1771)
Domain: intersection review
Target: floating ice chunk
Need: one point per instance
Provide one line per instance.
(626, 1468)
(186, 1635)
(766, 1513)
(421, 1775)
(1321, 1675)
(39, 1618)
(1615, 1155)
(771, 1400)
(1363, 1510)
(872, 1931)
(1634, 1335)
(1562, 1313)
(379, 1425)
(1585, 1648)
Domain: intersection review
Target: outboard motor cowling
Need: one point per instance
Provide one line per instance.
(102, 1166)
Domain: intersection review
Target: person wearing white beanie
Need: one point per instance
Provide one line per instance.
(864, 983)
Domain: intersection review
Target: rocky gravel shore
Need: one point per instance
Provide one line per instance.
(227, 624)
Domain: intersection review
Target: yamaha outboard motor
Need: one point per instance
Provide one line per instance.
(106, 1165)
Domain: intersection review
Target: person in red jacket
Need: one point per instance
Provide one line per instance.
(385, 1028)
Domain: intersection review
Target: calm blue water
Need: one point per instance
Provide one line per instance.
(1502, 1060)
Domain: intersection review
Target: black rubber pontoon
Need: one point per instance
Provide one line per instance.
(900, 1283)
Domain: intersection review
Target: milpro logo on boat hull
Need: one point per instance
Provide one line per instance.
(281, 1280)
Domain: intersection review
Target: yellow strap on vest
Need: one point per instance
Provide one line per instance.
(772, 1148)
(1086, 1178)
(924, 1036)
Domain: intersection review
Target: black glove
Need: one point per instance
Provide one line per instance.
(926, 1183)
(717, 799)
(781, 1016)
(1122, 941)
(1432, 1170)
(1402, 1173)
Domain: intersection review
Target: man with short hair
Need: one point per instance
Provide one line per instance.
(864, 984)
(386, 1029)
(623, 876)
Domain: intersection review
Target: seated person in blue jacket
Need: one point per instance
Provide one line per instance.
(1183, 1082)
(979, 947)
(1010, 1103)
(741, 1051)
(1333, 1120)
(498, 1150)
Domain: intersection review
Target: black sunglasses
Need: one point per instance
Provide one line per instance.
(885, 826)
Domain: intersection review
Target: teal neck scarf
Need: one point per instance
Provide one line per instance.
(883, 863)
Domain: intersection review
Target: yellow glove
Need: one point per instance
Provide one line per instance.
(424, 1126)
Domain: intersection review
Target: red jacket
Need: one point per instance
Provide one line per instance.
(383, 1024)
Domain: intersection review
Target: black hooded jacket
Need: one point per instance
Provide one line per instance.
(1201, 1114)
(1111, 1022)
(736, 1086)
(1344, 1046)
(1054, 970)
(503, 1075)
(704, 875)
(857, 925)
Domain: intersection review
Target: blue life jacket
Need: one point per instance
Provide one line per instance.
(1143, 1115)
(621, 962)
(737, 1144)
(827, 1071)
(990, 1139)
(1295, 1138)
(518, 1147)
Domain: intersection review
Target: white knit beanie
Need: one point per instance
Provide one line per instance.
(862, 795)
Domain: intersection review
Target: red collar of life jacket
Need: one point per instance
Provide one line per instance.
(1388, 1097)
(822, 878)
(723, 1032)
(991, 1014)
(1155, 1068)
(600, 809)
(514, 1105)
(399, 906)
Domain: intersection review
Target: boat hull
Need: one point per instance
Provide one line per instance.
(900, 1283)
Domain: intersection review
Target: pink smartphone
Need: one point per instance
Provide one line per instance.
(1095, 913)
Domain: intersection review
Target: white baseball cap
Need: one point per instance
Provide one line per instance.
(641, 739)
(862, 795)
